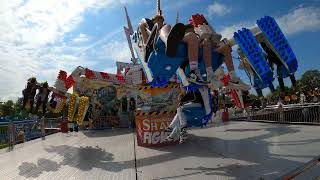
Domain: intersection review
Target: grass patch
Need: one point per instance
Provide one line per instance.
(3, 146)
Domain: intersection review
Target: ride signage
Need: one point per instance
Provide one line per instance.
(150, 128)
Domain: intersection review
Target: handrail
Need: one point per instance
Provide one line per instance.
(28, 121)
(288, 106)
(306, 114)
(301, 169)
(13, 132)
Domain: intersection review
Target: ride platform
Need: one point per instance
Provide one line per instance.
(236, 150)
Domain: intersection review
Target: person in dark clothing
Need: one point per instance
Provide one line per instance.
(124, 104)
(132, 108)
(273, 59)
(132, 104)
(215, 101)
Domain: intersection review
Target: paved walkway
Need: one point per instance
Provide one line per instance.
(238, 150)
(87, 156)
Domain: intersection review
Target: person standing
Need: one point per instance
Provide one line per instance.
(132, 108)
(302, 98)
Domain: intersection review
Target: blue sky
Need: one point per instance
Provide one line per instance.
(38, 38)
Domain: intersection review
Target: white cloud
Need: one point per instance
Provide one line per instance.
(166, 5)
(17, 67)
(111, 70)
(81, 38)
(301, 19)
(102, 40)
(115, 50)
(227, 32)
(218, 9)
(32, 42)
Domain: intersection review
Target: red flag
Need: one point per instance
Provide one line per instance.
(105, 75)
(89, 73)
(62, 75)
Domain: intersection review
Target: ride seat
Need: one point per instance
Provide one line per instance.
(194, 116)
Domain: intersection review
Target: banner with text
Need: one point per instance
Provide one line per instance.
(150, 128)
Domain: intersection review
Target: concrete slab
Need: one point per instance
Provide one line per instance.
(238, 150)
(88, 155)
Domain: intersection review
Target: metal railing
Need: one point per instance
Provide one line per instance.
(301, 169)
(14, 132)
(106, 122)
(294, 113)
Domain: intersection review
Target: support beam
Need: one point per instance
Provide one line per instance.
(177, 18)
(159, 12)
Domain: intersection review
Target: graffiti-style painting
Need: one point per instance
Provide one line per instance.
(104, 99)
(107, 97)
(158, 99)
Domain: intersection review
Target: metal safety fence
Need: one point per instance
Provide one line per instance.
(15, 132)
(106, 122)
(297, 113)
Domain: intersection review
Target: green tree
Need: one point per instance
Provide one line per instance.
(1, 113)
(7, 108)
(17, 110)
(310, 80)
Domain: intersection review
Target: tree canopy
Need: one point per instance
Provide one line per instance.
(310, 80)
(7, 108)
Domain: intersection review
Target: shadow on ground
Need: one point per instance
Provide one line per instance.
(255, 150)
(252, 149)
(107, 132)
(83, 158)
(32, 170)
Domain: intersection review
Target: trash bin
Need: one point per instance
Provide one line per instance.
(64, 126)
(225, 116)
